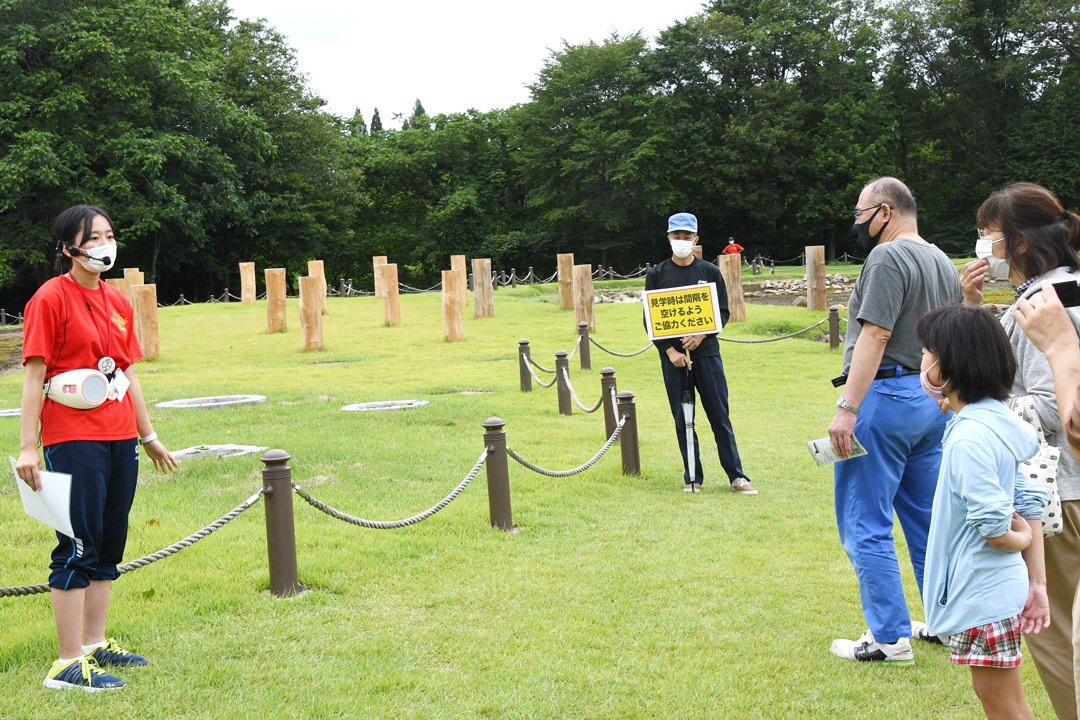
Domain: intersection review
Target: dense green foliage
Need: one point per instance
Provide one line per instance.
(764, 117)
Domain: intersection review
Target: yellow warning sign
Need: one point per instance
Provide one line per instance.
(687, 310)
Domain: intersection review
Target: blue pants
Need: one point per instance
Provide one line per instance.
(103, 477)
(708, 379)
(901, 428)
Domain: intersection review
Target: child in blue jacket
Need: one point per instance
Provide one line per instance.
(978, 589)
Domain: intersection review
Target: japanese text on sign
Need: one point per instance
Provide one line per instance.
(687, 310)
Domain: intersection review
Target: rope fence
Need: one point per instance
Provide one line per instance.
(573, 471)
(394, 524)
(153, 557)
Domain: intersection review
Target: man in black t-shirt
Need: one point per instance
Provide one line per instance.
(703, 370)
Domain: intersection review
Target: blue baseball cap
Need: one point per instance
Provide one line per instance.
(682, 221)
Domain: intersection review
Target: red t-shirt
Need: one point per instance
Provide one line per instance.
(733, 248)
(58, 328)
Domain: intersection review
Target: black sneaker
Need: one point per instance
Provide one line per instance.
(112, 654)
(866, 649)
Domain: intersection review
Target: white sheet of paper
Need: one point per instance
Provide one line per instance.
(52, 504)
(824, 452)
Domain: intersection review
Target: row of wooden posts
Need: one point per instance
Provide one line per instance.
(575, 293)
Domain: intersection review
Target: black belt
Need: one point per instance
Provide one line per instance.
(883, 373)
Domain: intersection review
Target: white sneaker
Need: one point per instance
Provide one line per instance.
(743, 487)
(865, 649)
(919, 632)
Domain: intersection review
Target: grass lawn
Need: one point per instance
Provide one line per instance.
(618, 597)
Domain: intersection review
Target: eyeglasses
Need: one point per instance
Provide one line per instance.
(984, 233)
(859, 211)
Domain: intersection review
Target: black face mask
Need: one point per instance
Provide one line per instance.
(863, 238)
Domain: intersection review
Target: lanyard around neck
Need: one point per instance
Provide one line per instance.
(105, 342)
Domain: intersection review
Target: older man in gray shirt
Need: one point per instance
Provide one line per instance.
(882, 403)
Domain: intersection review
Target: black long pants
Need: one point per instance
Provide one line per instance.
(707, 378)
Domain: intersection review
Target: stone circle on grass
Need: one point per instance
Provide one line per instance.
(211, 402)
(385, 405)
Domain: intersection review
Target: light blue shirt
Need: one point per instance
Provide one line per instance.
(967, 581)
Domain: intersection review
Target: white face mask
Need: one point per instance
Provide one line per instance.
(98, 257)
(682, 248)
(999, 267)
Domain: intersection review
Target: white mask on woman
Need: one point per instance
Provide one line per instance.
(999, 267)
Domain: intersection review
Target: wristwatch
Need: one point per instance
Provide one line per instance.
(842, 403)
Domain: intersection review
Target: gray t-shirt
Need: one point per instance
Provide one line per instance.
(900, 282)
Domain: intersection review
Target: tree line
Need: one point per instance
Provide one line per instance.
(764, 117)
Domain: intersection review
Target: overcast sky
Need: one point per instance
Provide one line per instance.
(452, 55)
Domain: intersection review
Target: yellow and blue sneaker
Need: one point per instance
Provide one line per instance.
(111, 654)
(82, 673)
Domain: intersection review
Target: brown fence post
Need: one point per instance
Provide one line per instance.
(566, 280)
(583, 349)
(310, 313)
(628, 439)
(391, 299)
(280, 531)
(498, 474)
(144, 306)
(524, 353)
(583, 295)
(815, 277)
(513, 278)
(834, 327)
(376, 261)
(562, 368)
(275, 299)
(531, 276)
(226, 298)
(607, 387)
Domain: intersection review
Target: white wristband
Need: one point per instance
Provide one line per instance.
(148, 439)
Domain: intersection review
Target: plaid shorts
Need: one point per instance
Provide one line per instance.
(995, 645)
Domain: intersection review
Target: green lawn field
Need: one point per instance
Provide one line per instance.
(617, 597)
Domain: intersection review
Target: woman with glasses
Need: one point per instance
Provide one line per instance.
(1027, 237)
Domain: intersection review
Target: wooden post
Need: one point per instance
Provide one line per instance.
(133, 276)
(144, 304)
(697, 251)
(247, 283)
(315, 270)
(275, 299)
(376, 261)
(731, 269)
(451, 305)
(566, 280)
(484, 299)
(311, 313)
(513, 278)
(583, 296)
(391, 299)
(457, 262)
(815, 277)
(120, 284)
